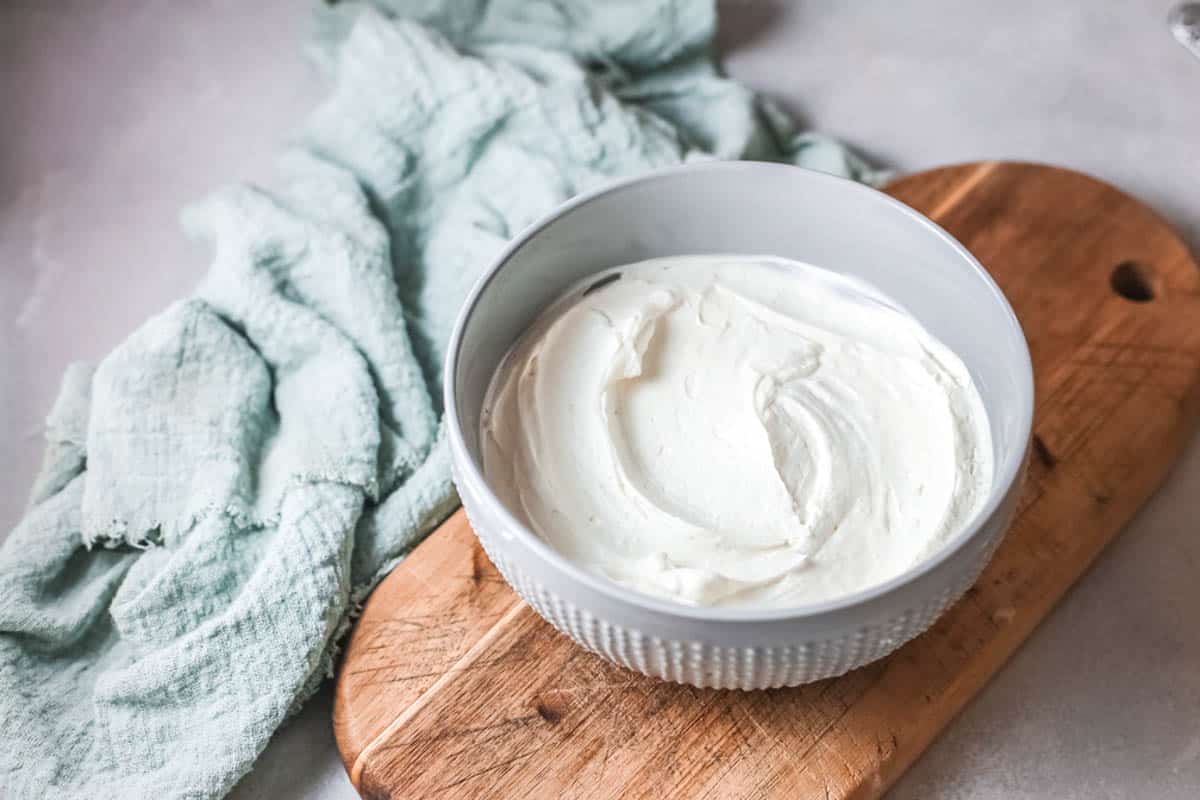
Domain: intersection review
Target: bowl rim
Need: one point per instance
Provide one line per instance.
(471, 472)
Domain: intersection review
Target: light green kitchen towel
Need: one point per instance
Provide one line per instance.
(222, 490)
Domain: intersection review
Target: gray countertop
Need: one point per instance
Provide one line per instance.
(114, 115)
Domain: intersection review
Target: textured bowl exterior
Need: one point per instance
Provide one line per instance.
(742, 207)
(695, 653)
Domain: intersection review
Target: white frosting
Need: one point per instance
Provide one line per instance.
(736, 430)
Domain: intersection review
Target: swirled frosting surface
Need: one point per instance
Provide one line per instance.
(736, 430)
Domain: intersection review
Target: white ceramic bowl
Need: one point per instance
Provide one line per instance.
(742, 207)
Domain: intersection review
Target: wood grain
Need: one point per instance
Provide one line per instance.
(453, 687)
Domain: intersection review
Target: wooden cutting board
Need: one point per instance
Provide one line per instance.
(452, 687)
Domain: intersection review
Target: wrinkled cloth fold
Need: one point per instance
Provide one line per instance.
(221, 491)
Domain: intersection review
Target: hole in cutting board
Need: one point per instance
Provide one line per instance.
(1133, 281)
